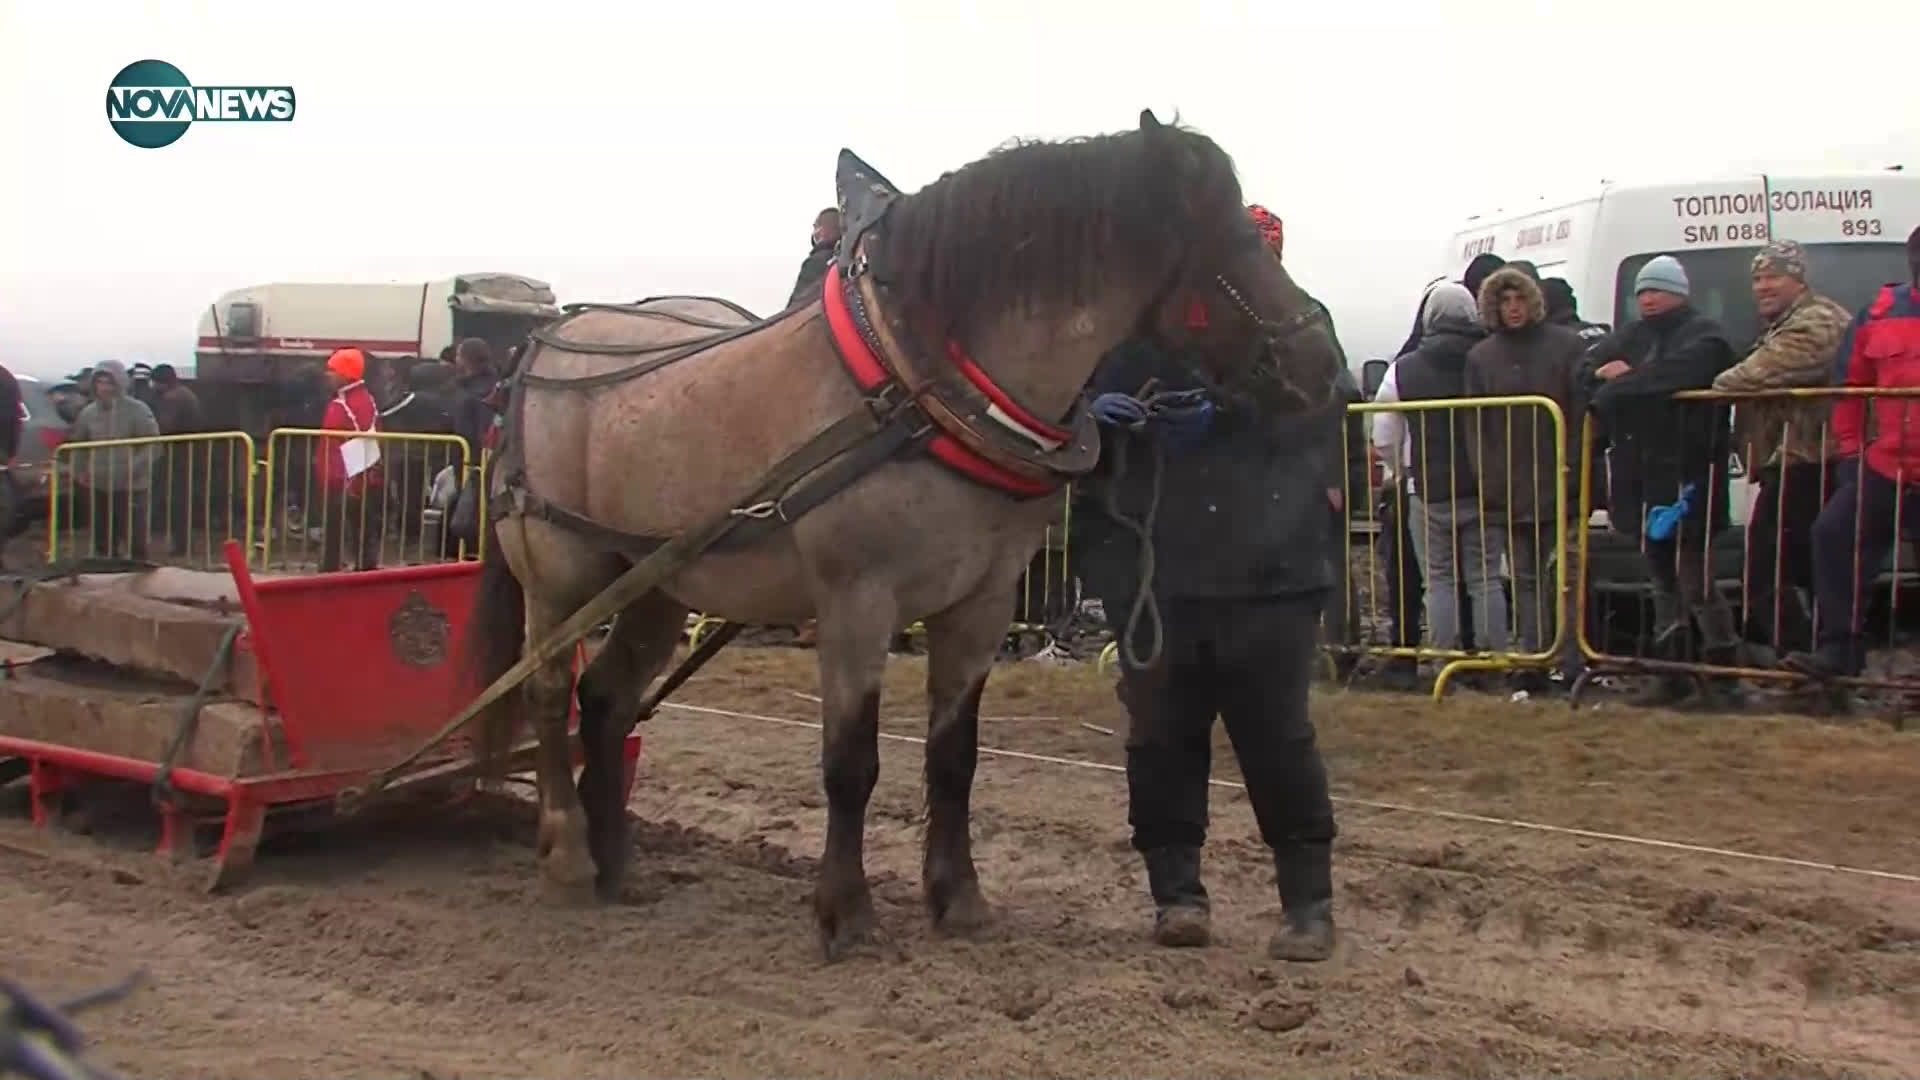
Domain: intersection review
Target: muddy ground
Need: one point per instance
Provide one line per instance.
(424, 947)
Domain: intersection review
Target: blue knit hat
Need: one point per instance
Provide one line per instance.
(1663, 273)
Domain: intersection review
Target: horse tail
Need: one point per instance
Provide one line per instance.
(495, 637)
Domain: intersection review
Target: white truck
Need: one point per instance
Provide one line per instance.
(254, 343)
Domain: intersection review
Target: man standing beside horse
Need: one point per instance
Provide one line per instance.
(1233, 507)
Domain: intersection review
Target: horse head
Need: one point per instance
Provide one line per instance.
(1228, 305)
(1043, 256)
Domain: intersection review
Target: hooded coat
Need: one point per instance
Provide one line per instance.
(1436, 370)
(1515, 459)
(119, 468)
(1660, 445)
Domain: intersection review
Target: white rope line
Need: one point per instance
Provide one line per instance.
(1374, 804)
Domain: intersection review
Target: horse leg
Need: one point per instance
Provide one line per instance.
(962, 642)
(643, 639)
(565, 859)
(854, 630)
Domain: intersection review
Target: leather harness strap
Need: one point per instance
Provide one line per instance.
(972, 439)
(843, 435)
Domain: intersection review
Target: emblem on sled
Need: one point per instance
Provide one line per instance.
(418, 632)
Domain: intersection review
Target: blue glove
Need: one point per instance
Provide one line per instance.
(1664, 521)
(1184, 417)
(1119, 410)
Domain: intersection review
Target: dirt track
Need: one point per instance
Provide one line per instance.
(1470, 950)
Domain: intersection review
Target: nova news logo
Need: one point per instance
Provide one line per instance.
(150, 103)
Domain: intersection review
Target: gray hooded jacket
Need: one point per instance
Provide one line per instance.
(114, 468)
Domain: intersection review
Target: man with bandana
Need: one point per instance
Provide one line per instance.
(1785, 442)
(1233, 510)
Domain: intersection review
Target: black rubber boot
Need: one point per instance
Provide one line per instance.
(1673, 641)
(1831, 660)
(1181, 916)
(1304, 873)
(1723, 693)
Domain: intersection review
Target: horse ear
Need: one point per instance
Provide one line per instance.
(1148, 121)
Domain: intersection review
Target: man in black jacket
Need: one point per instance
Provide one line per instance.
(1235, 506)
(1669, 467)
(813, 271)
(473, 412)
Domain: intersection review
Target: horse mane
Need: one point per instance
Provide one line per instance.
(1046, 222)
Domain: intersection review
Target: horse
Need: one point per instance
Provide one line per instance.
(882, 454)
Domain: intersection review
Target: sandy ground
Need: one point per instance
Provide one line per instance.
(424, 948)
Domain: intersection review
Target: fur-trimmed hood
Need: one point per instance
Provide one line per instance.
(1500, 281)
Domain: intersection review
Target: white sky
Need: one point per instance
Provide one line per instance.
(619, 150)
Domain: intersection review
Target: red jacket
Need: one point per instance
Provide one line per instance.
(352, 409)
(1883, 350)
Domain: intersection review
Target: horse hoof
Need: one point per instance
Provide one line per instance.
(569, 894)
(856, 935)
(568, 877)
(964, 913)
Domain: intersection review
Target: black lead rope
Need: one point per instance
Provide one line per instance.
(1145, 606)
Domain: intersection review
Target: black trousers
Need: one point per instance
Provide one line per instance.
(354, 525)
(1780, 552)
(1249, 663)
(1851, 541)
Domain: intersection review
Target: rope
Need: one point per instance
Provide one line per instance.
(39, 1040)
(1145, 606)
(163, 791)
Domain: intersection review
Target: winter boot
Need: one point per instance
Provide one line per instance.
(1832, 659)
(1673, 641)
(1304, 872)
(1723, 693)
(1181, 913)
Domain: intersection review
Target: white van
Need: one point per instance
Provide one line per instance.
(1853, 225)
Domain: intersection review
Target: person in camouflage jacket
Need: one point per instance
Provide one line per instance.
(1785, 442)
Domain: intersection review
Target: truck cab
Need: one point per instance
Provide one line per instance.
(257, 345)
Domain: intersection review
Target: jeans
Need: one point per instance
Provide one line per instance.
(1455, 548)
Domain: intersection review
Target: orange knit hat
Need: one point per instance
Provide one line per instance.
(350, 364)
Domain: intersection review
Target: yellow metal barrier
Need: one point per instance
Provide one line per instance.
(1447, 532)
(1047, 592)
(1783, 479)
(184, 494)
(329, 516)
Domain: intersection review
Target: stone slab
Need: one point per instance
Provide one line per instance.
(135, 723)
(115, 619)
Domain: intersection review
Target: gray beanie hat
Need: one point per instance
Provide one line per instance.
(1663, 273)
